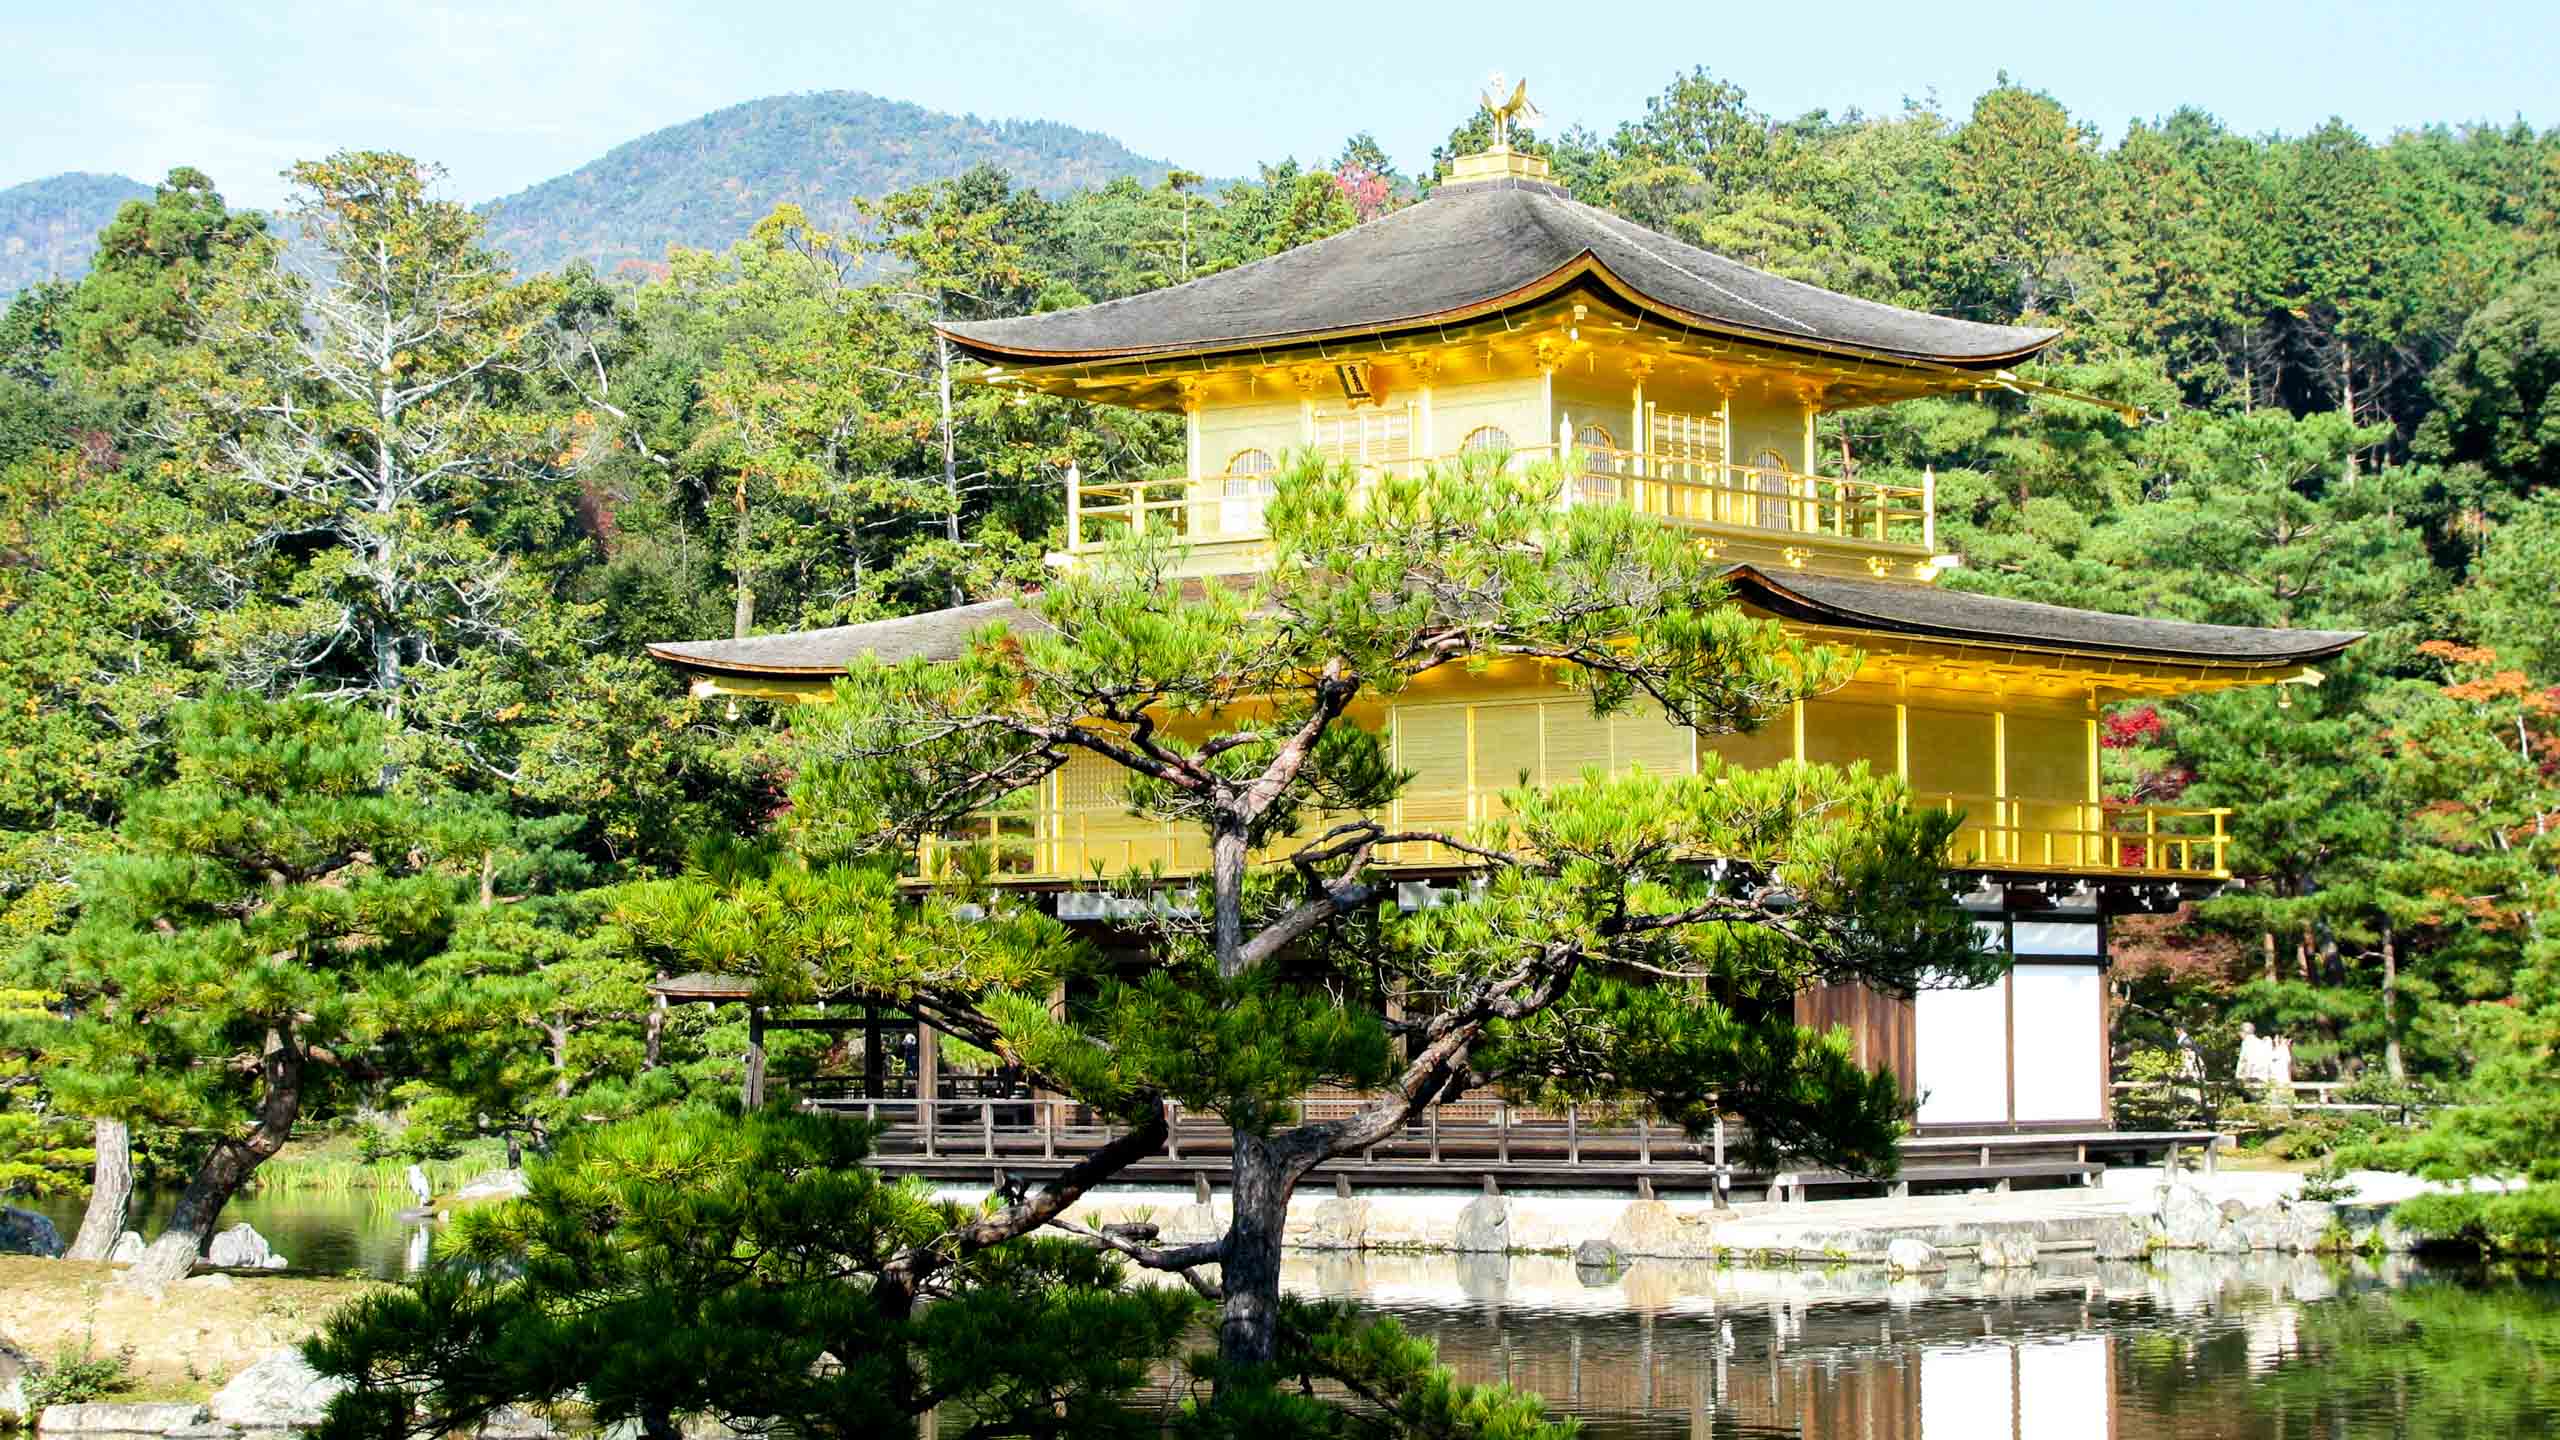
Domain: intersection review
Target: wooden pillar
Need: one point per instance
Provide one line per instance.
(928, 1081)
(751, 1089)
(874, 1063)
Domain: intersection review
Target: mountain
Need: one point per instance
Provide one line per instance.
(704, 182)
(49, 227)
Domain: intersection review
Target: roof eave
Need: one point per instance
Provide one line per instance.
(1585, 265)
(1794, 605)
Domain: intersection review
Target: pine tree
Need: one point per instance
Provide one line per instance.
(699, 1264)
(219, 972)
(1234, 714)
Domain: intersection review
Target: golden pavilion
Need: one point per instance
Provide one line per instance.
(1501, 315)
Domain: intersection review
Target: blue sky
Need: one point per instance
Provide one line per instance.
(507, 94)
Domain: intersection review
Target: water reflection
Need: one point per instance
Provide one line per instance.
(2200, 1346)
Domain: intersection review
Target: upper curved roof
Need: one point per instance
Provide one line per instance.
(1468, 249)
(1882, 607)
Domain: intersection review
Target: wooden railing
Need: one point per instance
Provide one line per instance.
(1703, 493)
(1997, 832)
(1465, 1140)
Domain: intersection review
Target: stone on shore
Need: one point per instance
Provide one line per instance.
(2007, 1252)
(1907, 1256)
(14, 1365)
(1192, 1224)
(278, 1393)
(24, 1232)
(514, 1422)
(1484, 1226)
(111, 1419)
(128, 1248)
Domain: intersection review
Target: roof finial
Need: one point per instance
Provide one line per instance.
(1506, 109)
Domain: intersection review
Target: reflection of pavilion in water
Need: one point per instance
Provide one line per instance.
(1695, 1350)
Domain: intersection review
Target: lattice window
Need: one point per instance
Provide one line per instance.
(1772, 479)
(1249, 474)
(1381, 435)
(1697, 439)
(1486, 439)
(1602, 464)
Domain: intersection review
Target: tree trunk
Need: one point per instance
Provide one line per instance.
(950, 454)
(2391, 1062)
(1249, 1270)
(110, 1192)
(224, 1171)
(744, 617)
(1227, 854)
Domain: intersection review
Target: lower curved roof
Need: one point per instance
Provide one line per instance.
(1928, 611)
(1883, 607)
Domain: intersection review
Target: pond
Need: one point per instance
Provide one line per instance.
(2194, 1346)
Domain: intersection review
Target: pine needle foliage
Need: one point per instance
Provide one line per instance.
(697, 1264)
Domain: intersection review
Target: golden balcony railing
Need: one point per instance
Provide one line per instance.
(2028, 834)
(1686, 490)
(1029, 843)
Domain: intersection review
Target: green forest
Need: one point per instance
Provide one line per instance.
(331, 766)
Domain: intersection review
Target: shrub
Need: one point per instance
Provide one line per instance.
(76, 1375)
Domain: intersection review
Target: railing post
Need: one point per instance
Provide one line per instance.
(1572, 1134)
(1435, 1133)
(1049, 1129)
(1075, 507)
(1644, 1136)
(1929, 510)
(1502, 1131)
(987, 1127)
(2150, 838)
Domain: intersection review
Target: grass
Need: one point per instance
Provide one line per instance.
(334, 1166)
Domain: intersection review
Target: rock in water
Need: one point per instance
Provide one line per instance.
(280, 1392)
(128, 1249)
(1484, 1226)
(239, 1248)
(2008, 1252)
(1907, 1256)
(2188, 1217)
(2311, 1224)
(496, 1185)
(102, 1419)
(1596, 1255)
(1336, 1225)
(24, 1232)
(2124, 1240)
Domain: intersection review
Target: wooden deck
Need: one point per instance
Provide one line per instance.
(972, 1140)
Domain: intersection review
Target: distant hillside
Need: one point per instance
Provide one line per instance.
(48, 228)
(703, 183)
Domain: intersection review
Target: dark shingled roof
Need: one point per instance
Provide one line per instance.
(1470, 247)
(1885, 606)
(934, 635)
(1936, 612)
(700, 985)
